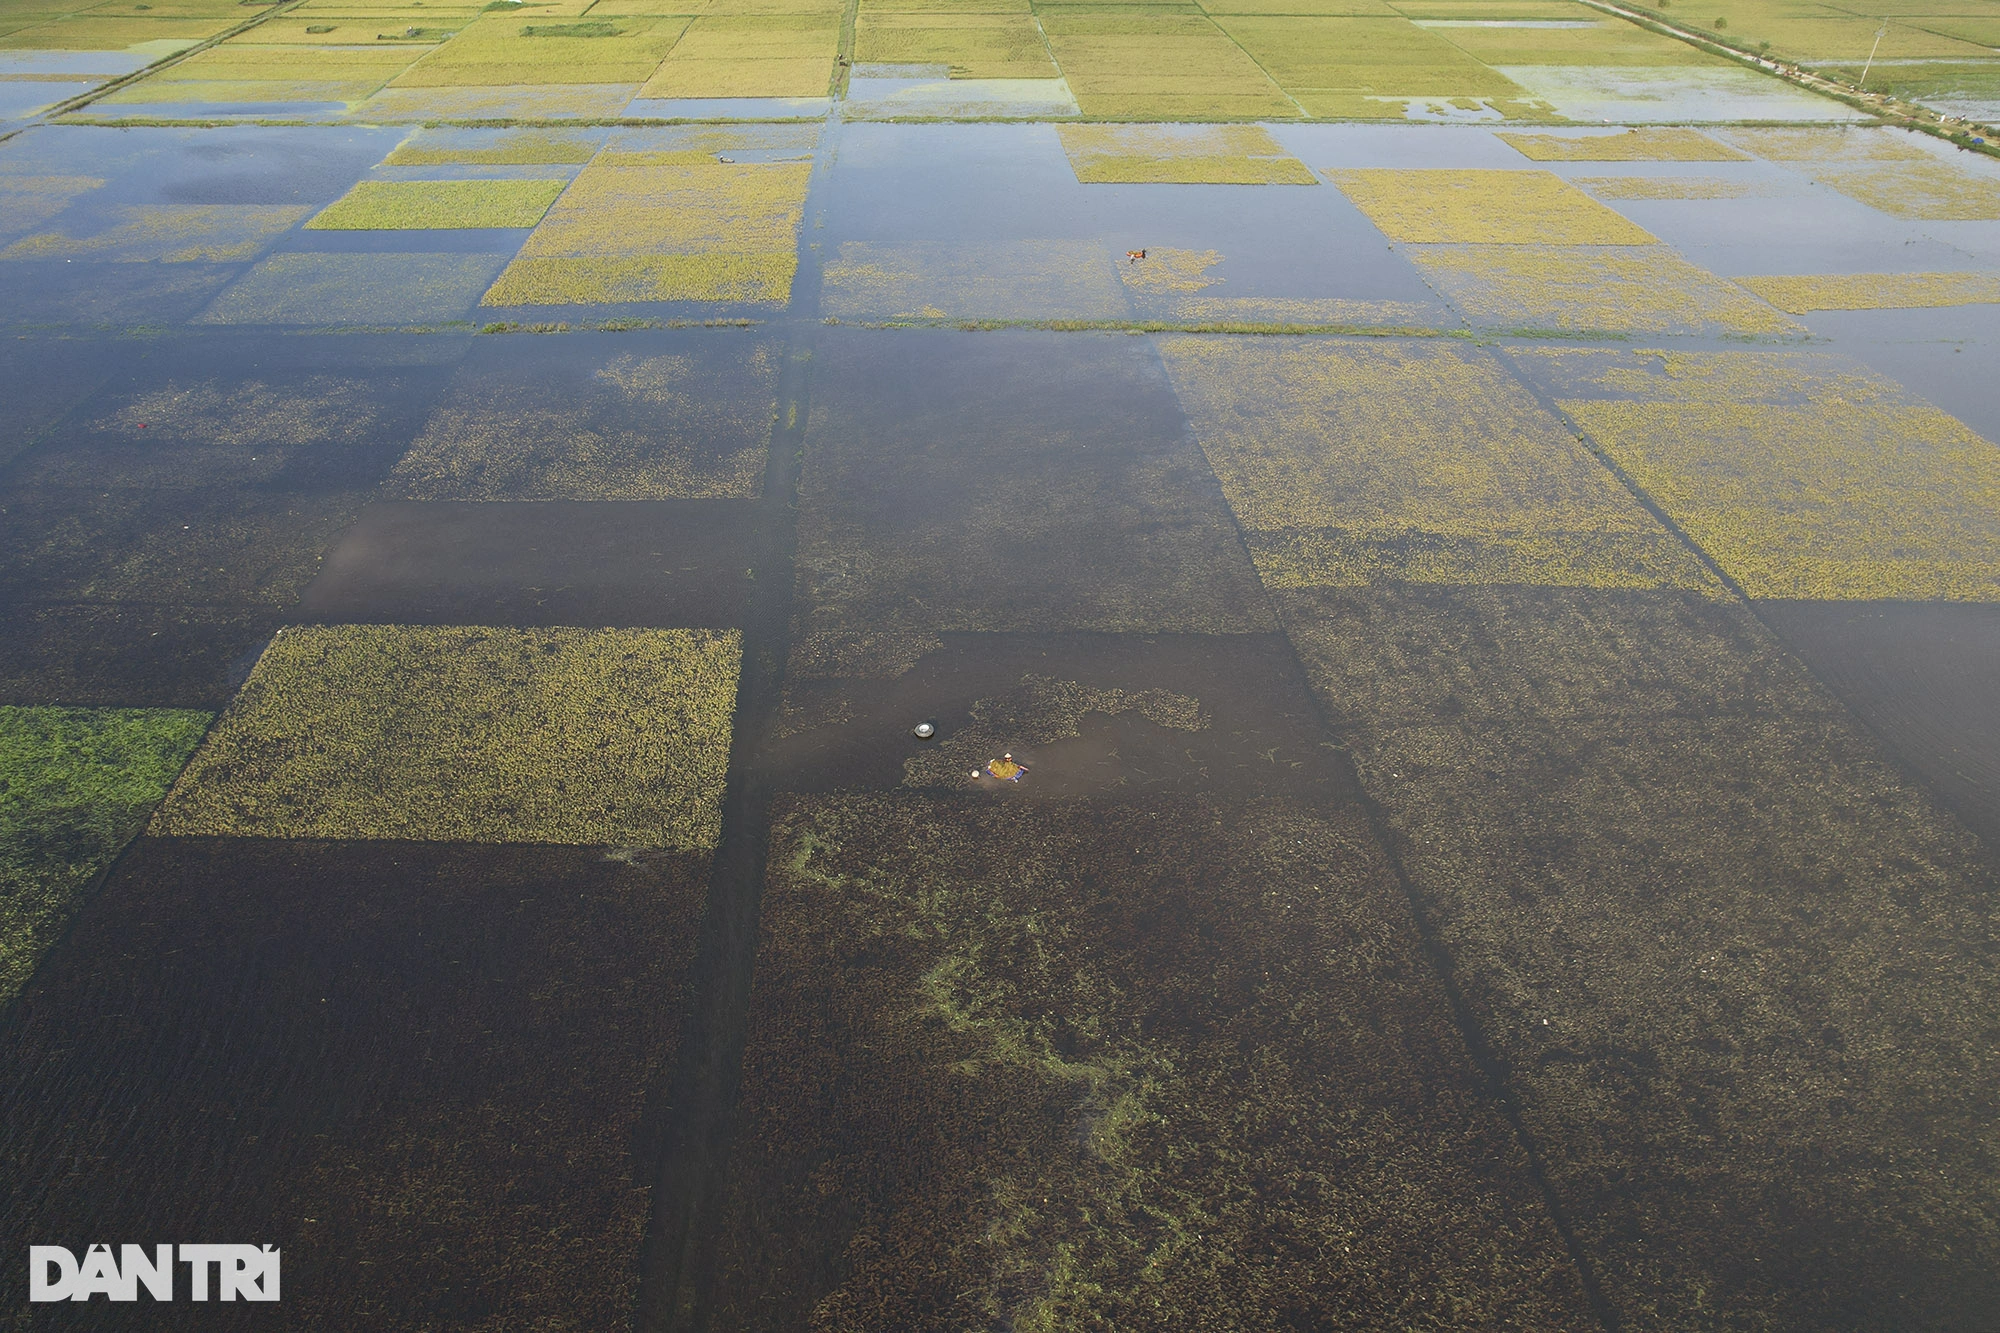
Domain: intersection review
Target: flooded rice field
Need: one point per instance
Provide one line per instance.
(1458, 647)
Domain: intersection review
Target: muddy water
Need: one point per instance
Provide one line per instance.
(1363, 954)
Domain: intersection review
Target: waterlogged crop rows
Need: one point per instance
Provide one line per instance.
(691, 424)
(664, 226)
(1803, 475)
(1676, 883)
(75, 785)
(1592, 289)
(431, 205)
(995, 1085)
(1011, 280)
(473, 735)
(1156, 154)
(1801, 294)
(1484, 208)
(1885, 169)
(1353, 462)
(1647, 145)
(166, 234)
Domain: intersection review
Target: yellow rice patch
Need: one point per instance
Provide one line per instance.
(1932, 190)
(506, 49)
(1803, 475)
(1670, 187)
(170, 234)
(1648, 145)
(736, 55)
(1592, 289)
(438, 205)
(988, 44)
(1354, 462)
(1805, 293)
(1278, 312)
(1484, 207)
(470, 735)
(1208, 155)
(664, 227)
(1012, 280)
(1828, 145)
(1159, 64)
(519, 148)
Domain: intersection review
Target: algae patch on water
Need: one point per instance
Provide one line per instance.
(1173, 155)
(1804, 475)
(471, 735)
(430, 205)
(75, 785)
(1484, 207)
(1804, 293)
(1148, 1065)
(1353, 462)
(1642, 145)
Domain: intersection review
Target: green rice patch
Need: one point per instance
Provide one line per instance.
(75, 785)
(617, 737)
(1154, 154)
(438, 205)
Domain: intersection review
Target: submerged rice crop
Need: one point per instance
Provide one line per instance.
(1155, 154)
(168, 234)
(1639, 145)
(1803, 293)
(1592, 289)
(471, 735)
(1352, 462)
(1803, 475)
(431, 205)
(376, 288)
(1024, 280)
(1484, 207)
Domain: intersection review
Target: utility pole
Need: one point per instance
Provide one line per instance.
(1880, 33)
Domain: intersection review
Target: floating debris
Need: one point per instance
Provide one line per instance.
(923, 731)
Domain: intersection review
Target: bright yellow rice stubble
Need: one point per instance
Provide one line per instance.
(1356, 462)
(1484, 207)
(1593, 289)
(451, 734)
(1803, 475)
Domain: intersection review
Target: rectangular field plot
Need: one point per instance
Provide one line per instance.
(1803, 293)
(528, 47)
(1592, 289)
(1159, 64)
(1641, 830)
(751, 55)
(75, 785)
(1364, 67)
(1355, 462)
(425, 1067)
(997, 43)
(1484, 208)
(1668, 145)
(471, 735)
(1888, 170)
(1033, 483)
(445, 147)
(1025, 281)
(988, 1085)
(624, 419)
(365, 289)
(425, 205)
(1156, 154)
(167, 234)
(1803, 475)
(666, 226)
(29, 200)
